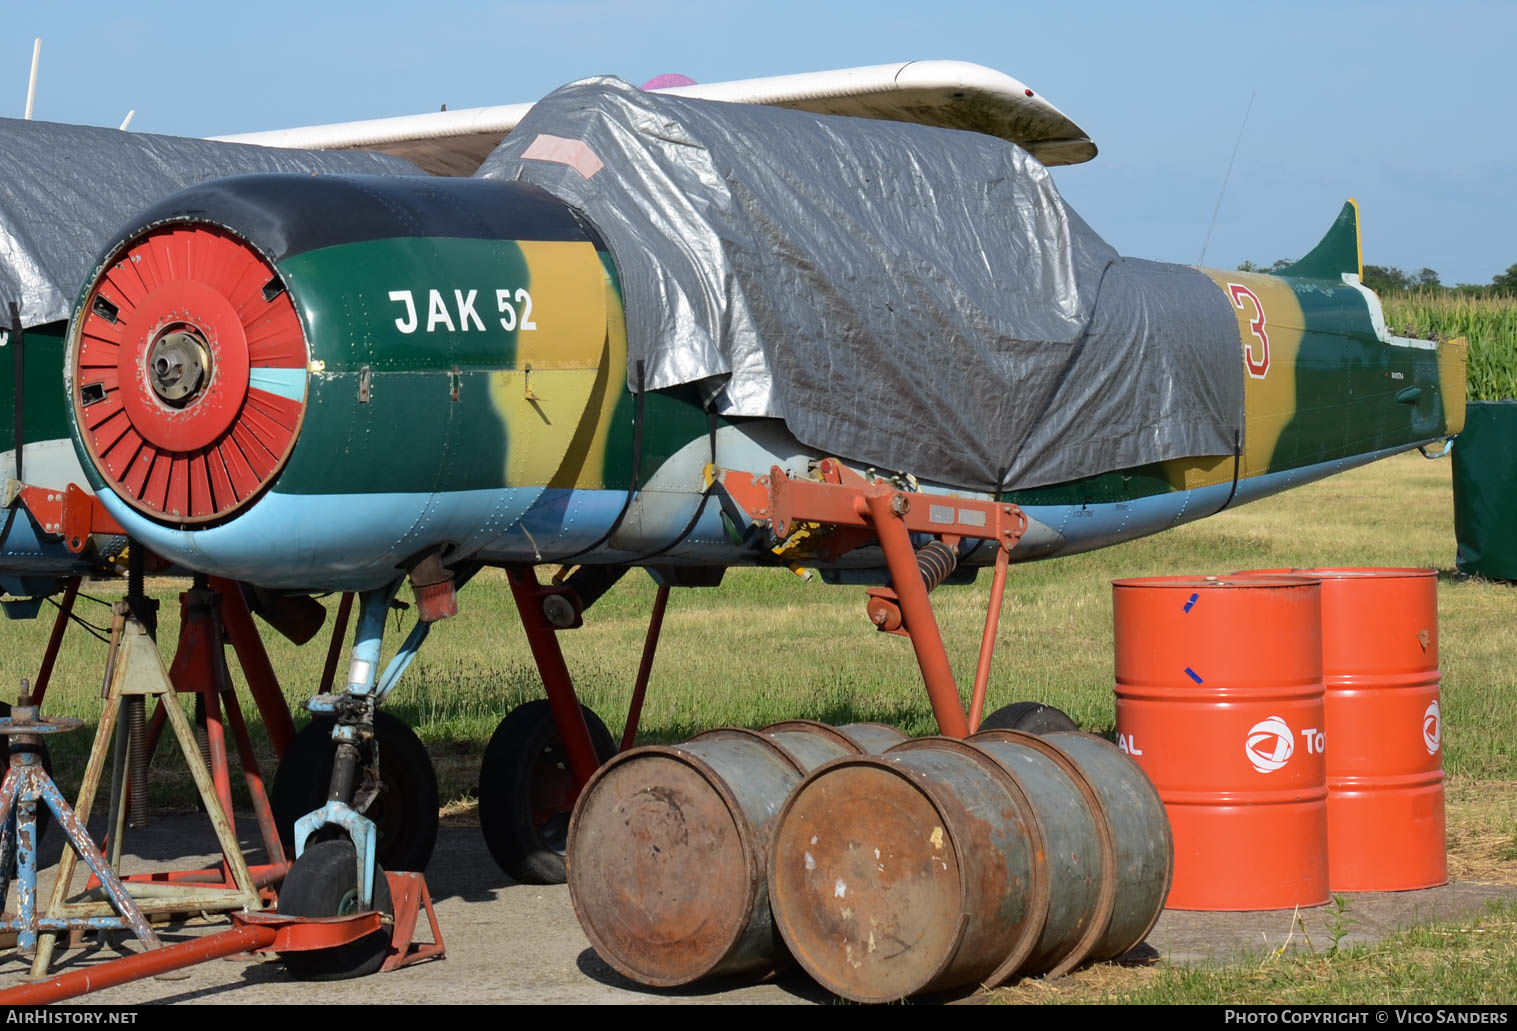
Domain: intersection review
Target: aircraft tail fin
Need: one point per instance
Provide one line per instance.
(1339, 251)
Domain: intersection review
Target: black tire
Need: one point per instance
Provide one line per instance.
(524, 762)
(1033, 717)
(405, 811)
(324, 882)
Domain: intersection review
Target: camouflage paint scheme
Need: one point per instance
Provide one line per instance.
(515, 445)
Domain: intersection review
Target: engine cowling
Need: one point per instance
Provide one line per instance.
(301, 378)
(189, 373)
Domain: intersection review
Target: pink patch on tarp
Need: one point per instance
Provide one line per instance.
(668, 80)
(574, 153)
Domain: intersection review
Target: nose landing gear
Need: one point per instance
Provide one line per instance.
(404, 801)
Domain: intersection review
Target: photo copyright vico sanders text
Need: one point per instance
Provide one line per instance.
(1375, 1016)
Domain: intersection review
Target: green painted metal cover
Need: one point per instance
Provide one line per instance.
(1485, 490)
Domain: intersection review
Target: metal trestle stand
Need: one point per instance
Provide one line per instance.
(27, 783)
(135, 675)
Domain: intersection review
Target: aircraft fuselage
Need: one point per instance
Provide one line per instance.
(425, 364)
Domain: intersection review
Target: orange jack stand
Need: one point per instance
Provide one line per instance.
(409, 897)
(255, 932)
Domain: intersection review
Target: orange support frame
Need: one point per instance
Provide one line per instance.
(858, 511)
(72, 513)
(263, 685)
(55, 640)
(855, 512)
(529, 594)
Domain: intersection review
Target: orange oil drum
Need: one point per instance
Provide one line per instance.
(1385, 817)
(1220, 701)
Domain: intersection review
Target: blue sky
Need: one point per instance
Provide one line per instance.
(1406, 106)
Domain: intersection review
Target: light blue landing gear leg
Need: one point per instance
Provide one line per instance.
(353, 710)
(354, 786)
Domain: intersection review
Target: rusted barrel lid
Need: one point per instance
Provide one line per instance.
(814, 743)
(810, 743)
(873, 737)
(909, 872)
(667, 854)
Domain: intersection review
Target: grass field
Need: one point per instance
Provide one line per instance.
(1472, 962)
(767, 646)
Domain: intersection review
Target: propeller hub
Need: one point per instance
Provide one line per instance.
(179, 365)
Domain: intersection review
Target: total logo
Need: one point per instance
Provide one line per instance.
(1432, 728)
(1270, 744)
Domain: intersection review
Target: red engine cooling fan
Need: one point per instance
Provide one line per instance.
(176, 374)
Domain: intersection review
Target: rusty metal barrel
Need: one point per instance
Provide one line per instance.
(1083, 875)
(915, 871)
(1140, 835)
(814, 743)
(1385, 812)
(668, 848)
(1220, 701)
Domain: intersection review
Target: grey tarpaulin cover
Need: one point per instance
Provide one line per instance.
(68, 189)
(915, 298)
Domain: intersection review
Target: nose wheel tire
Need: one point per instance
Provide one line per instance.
(1033, 717)
(324, 882)
(527, 791)
(405, 811)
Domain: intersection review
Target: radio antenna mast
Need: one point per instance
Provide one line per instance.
(1227, 175)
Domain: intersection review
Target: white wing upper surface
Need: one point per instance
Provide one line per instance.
(952, 94)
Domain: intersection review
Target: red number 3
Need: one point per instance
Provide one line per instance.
(1257, 364)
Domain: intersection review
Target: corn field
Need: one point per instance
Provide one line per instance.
(1490, 324)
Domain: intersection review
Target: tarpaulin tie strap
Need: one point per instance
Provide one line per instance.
(1237, 461)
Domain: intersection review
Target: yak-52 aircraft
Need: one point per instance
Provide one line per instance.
(35, 551)
(653, 330)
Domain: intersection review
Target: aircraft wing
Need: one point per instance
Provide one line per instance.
(952, 94)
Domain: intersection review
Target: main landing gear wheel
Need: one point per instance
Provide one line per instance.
(324, 882)
(1033, 717)
(526, 791)
(405, 811)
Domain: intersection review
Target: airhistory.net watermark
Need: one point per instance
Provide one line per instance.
(47, 1016)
